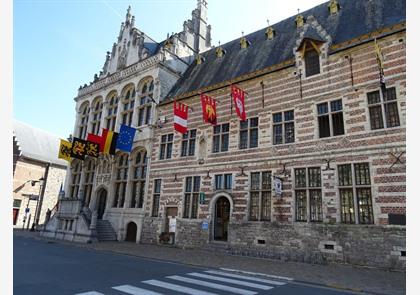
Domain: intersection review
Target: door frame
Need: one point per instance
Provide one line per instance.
(98, 199)
(212, 206)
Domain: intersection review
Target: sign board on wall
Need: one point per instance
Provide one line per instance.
(205, 225)
(172, 225)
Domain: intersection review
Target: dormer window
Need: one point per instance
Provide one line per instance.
(244, 43)
(300, 21)
(270, 32)
(310, 54)
(333, 7)
(220, 52)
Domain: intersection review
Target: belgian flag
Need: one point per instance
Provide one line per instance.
(110, 139)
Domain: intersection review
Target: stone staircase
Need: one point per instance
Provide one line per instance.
(105, 231)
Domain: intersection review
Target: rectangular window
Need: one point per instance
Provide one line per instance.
(354, 187)
(330, 118)
(16, 203)
(220, 138)
(260, 196)
(311, 62)
(308, 194)
(283, 127)
(188, 143)
(248, 133)
(166, 146)
(192, 190)
(223, 182)
(156, 197)
(383, 107)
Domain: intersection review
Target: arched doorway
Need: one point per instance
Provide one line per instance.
(131, 232)
(101, 203)
(221, 219)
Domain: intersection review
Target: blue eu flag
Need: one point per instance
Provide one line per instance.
(125, 138)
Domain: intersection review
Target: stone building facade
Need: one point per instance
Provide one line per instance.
(318, 119)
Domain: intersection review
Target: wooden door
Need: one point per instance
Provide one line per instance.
(221, 219)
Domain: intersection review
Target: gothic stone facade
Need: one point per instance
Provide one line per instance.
(328, 133)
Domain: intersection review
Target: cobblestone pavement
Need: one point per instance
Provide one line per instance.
(338, 276)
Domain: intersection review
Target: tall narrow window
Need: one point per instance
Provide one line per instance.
(166, 146)
(220, 138)
(192, 190)
(223, 182)
(188, 143)
(88, 183)
(121, 180)
(145, 105)
(84, 118)
(311, 60)
(383, 107)
(283, 127)
(156, 197)
(127, 101)
(355, 190)
(308, 194)
(96, 116)
(111, 115)
(248, 133)
(330, 118)
(260, 196)
(76, 173)
(139, 180)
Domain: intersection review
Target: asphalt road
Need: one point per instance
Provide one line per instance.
(44, 268)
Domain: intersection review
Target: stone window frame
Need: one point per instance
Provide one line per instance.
(353, 187)
(76, 174)
(84, 111)
(166, 146)
(282, 124)
(191, 197)
(145, 97)
(249, 130)
(220, 142)
(120, 180)
(330, 115)
(127, 104)
(304, 58)
(139, 177)
(96, 115)
(307, 189)
(90, 167)
(382, 104)
(223, 176)
(260, 191)
(111, 110)
(157, 190)
(188, 143)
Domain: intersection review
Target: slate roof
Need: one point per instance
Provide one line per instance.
(355, 18)
(37, 144)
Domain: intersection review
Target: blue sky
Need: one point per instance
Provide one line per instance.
(60, 45)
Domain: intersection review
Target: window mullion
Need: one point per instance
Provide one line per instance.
(355, 202)
(260, 199)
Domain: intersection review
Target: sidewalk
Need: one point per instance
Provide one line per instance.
(337, 276)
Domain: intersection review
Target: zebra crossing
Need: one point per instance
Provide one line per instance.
(214, 282)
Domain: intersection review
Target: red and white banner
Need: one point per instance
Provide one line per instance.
(180, 117)
(238, 96)
(209, 109)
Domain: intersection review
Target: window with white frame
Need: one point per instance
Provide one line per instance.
(120, 180)
(283, 127)
(220, 138)
(127, 102)
(330, 118)
(192, 190)
(111, 115)
(96, 116)
(248, 133)
(188, 143)
(381, 107)
(139, 179)
(166, 143)
(355, 193)
(76, 173)
(156, 197)
(88, 183)
(308, 194)
(84, 118)
(260, 196)
(223, 181)
(145, 105)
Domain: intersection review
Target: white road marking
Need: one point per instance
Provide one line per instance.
(213, 285)
(258, 273)
(90, 293)
(177, 288)
(237, 282)
(135, 290)
(215, 272)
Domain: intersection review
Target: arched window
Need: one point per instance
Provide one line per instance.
(121, 180)
(96, 115)
(83, 120)
(88, 183)
(128, 105)
(311, 55)
(76, 172)
(145, 105)
(111, 115)
(139, 179)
